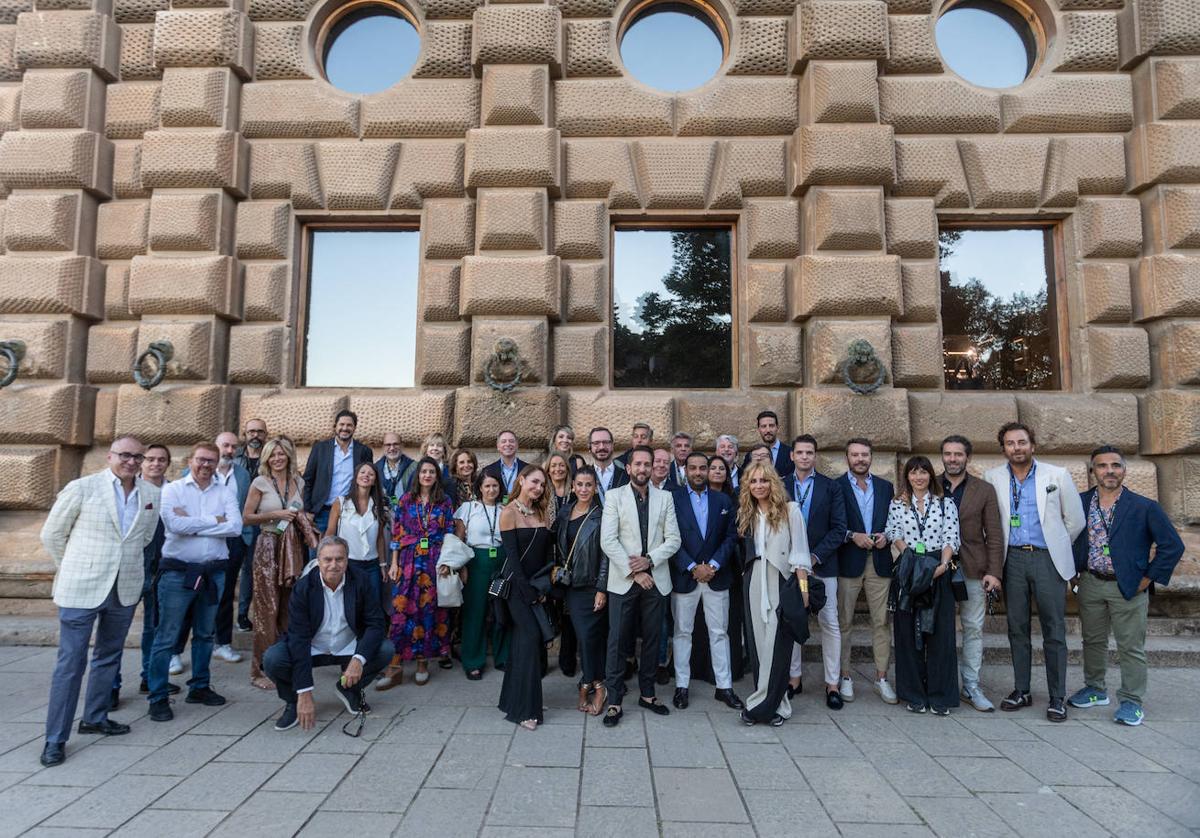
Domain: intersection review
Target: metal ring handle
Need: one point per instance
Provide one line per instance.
(160, 351)
(12, 351)
(860, 356)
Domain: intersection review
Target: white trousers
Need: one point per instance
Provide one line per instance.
(716, 617)
(971, 614)
(831, 636)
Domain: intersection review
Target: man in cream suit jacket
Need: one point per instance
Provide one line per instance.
(1040, 516)
(96, 533)
(639, 534)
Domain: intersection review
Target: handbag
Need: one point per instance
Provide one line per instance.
(449, 591)
(500, 587)
(958, 582)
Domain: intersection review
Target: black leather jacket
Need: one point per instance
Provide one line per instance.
(915, 589)
(589, 565)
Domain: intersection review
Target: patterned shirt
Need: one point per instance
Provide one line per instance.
(1098, 536)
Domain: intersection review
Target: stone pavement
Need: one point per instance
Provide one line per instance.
(439, 760)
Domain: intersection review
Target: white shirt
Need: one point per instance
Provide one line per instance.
(335, 636)
(226, 479)
(127, 505)
(197, 536)
(360, 531)
(482, 523)
(604, 477)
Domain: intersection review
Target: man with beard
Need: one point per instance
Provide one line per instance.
(248, 458)
(609, 473)
(236, 478)
(331, 466)
(768, 430)
(391, 466)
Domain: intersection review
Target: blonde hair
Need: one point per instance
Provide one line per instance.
(435, 439)
(264, 461)
(556, 455)
(777, 500)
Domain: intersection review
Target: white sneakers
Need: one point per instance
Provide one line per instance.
(175, 666)
(973, 694)
(846, 688)
(227, 653)
(885, 691)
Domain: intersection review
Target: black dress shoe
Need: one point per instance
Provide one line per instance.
(144, 688)
(662, 675)
(730, 698)
(612, 716)
(833, 700)
(105, 728)
(681, 698)
(654, 706)
(53, 754)
(160, 711)
(796, 690)
(114, 700)
(205, 696)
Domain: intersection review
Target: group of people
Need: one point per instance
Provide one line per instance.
(375, 565)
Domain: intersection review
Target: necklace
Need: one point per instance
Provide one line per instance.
(522, 508)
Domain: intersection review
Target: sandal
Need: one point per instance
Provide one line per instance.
(599, 697)
(421, 678)
(584, 690)
(262, 682)
(529, 724)
(445, 663)
(475, 675)
(393, 677)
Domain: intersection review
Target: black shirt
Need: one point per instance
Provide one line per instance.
(956, 494)
(643, 510)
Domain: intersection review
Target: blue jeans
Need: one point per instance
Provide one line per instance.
(320, 522)
(174, 600)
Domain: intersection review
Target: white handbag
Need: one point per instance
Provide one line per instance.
(449, 591)
(455, 554)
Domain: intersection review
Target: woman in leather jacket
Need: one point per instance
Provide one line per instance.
(582, 569)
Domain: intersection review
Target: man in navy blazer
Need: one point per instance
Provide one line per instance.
(768, 431)
(865, 564)
(330, 468)
(1112, 557)
(332, 620)
(506, 469)
(824, 509)
(701, 572)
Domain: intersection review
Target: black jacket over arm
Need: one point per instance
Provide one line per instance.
(318, 471)
(364, 614)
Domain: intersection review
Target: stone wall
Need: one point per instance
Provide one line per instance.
(159, 161)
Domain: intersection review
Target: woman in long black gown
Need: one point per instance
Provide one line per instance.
(527, 549)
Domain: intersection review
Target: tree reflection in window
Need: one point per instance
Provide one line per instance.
(998, 321)
(672, 308)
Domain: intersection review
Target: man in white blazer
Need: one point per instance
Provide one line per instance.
(1040, 516)
(639, 534)
(96, 533)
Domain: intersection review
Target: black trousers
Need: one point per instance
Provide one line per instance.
(278, 663)
(590, 627)
(928, 675)
(623, 612)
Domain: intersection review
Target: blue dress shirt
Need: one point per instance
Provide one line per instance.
(1029, 534)
(802, 493)
(865, 499)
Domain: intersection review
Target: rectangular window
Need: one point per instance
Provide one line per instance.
(361, 313)
(673, 307)
(999, 313)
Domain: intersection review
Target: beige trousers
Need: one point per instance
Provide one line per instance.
(876, 587)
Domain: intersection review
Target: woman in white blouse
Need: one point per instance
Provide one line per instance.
(775, 525)
(922, 518)
(362, 518)
(477, 523)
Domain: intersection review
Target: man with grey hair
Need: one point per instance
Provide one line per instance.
(234, 476)
(727, 449)
(333, 619)
(681, 446)
(642, 434)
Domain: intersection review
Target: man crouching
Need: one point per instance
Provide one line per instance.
(333, 619)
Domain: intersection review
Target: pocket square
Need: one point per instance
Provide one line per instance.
(724, 511)
(148, 506)
(1051, 488)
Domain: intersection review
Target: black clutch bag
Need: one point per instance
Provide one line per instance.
(958, 583)
(500, 587)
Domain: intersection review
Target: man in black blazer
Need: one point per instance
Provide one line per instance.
(642, 434)
(331, 466)
(610, 474)
(781, 455)
(390, 468)
(332, 620)
(508, 466)
(865, 564)
(681, 447)
(701, 572)
(820, 500)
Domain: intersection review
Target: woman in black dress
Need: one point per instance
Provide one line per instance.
(526, 540)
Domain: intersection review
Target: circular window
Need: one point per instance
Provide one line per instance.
(673, 46)
(989, 43)
(370, 46)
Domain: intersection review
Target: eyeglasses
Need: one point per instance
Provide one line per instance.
(204, 461)
(391, 445)
(256, 432)
(126, 457)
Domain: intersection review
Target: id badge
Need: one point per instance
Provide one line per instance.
(492, 552)
(919, 547)
(1014, 521)
(1106, 550)
(424, 543)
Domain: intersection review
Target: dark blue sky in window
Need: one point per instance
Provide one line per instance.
(373, 53)
(982, 48)
(671, 51)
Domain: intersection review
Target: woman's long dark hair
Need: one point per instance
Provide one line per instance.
(727, 486)
(437, 494)
(919, 462)
(382, 513)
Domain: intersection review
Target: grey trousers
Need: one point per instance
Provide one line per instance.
(74, 633)
(1031, 575)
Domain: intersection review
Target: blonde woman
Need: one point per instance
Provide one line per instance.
(275, 503)
(562, 441)
(776, 545)
(558, 485)
(434, 447)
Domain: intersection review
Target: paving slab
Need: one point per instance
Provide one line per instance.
(551, 746)
(912, 771)
(469, 761)
(535, 797)
(90, 766)
(269, 814)
(317, 774)
(704, 795)
(26, 806)
(763, 766)
(1041, 813)
(775, 814)
(182, 756)
(1122, 813)
(960, 817)
(1175, 796)
(155, 823)
(446, 813)
(990, 774)
(616, 822)
(115, 802)
(343, 824)
(216, 787)
(616, 777)
(852, 791)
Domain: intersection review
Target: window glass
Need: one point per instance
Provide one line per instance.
(672, 308)
(998, 318)
(362, 309)
(672, 47)
(370, 50)
(987, 43)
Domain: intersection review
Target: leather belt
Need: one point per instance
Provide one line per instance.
(1028, 548)
(1104, 577)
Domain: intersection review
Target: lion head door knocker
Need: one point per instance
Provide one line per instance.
(504, 368)
(12, 351)
(150, 375)
(862, 369)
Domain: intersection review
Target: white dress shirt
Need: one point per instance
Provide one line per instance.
(127, 505)
(197, 535)
(604, 477)
(335, 636)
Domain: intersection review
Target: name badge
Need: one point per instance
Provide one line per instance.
(492, 552)
(1014, 521)
(919, 547)
(424, 543)
(1106, 550)
(394, 545)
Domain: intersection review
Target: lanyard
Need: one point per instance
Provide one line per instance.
(491, 522)
(802, 499)
(922, 520)
(424, 522)
(508, 475)
(1018, 489)
(282, 500)
(1106, 520)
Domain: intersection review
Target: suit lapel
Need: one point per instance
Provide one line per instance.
(852, 511)
(710, 526)
(110, 502)
(1040, 483)
(653, 509)
(350, 599)
(1122, 512)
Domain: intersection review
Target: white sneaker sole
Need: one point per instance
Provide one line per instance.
(345, 701)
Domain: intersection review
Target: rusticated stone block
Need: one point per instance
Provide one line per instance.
(844, 155)
(30, 477)
(617, 411)
(828, 340)
(1170, 422)
(838, 29)
(202, 97)
(1090, 165)
(116, 291)
(912, 227)
(844, 219)
(480, 413)
(585, 291)
(10, 108)
(839, 91)
(428, 169)
(1159, 27)
(357, 175)
(776, 355)
(1095, 103)
(836, 414)
(111, 350)
(590, 49)
(256, 354)
(438, 290)
(137, 53)
(444, 354)
(766, 292)
(47, 414)
(1167, 286)
(56, 160)
(191, 221)
(1109, 228)
(515, 95)
(511, 157)
(195, 357)
(1089, 42)
(62, 99)
(674, 174)
(1160, 152)
(422, 108)
(175, 414)
(1172, 217)
(911, 45)
(306, 416)
(843, 285)
(127, 171)
(121, 229)
(132, 110)
(197, 285)
(1004, 171)
(917, 355)
(1179, 485)
(447, 51)
(580, 355)
(67, 285)
(532, 337)
(448, 229)
(202, 159)
(511, 219)
(930, 167)
(510, 285)
(280, 52)
(762, 48)
(600, 169)
(1068, 423)
(977, 416)
(286, 170)
(937, 105)
(266, 291)
(283, 9)
(39, 222)
(68, 39)
(735, 106)
(262, 229)
(413, 416)
(772, 228)
(204, 38)
(53, 347)
(1175, 352)
(749, 168)
(1177, 89)
(1118, 357)
(1106, 293)
(518, 34)
(580, 229)
(706, 417)
(611, 108)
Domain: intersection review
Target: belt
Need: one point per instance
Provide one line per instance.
(1028, 548)
(1105, 577)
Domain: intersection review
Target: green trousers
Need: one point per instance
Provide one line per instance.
(476, 614)
(1101, 607)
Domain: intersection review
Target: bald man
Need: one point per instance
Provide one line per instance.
(232, 474)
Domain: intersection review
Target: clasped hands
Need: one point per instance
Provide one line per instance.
(639, 569)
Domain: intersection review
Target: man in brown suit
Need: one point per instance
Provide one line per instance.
(981, 555)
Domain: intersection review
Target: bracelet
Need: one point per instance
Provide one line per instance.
(804, 586)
